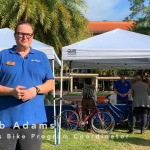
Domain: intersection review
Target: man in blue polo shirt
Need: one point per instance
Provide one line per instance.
(25, 75)
(122, 89)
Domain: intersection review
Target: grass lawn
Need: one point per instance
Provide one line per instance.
(116, 140)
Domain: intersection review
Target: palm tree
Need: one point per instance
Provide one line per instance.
(66, 68)
(56, 22)
(34, 11)
(101, 72)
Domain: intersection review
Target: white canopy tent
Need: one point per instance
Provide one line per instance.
(117, 49)
(7, 41)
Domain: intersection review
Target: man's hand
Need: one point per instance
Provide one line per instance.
(19, 92)
(124, 95)
(29, 94)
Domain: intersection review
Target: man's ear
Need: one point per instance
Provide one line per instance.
(14, 35)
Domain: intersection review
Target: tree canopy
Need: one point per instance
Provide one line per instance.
(55, 22)
(141, 14)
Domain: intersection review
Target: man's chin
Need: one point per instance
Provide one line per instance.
(24, 46)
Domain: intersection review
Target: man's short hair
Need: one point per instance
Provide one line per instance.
(22, 22)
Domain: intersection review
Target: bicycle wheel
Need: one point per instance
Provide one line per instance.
(105, 125)
(69, 126)
(138, 124)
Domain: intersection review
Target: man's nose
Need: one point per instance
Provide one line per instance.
(24, 36)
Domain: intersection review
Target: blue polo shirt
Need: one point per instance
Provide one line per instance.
(123, 88)
(34, 70)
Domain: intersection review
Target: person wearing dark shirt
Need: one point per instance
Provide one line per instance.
(122, 89)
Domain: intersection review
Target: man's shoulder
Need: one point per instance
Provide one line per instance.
(4, 51)
(127, 81)
(38, 52)
(118, 81)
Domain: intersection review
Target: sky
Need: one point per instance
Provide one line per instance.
(110, 10)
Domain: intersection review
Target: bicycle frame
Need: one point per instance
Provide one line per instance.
(111, 107)
(78, 110)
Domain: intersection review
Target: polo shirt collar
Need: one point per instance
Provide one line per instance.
(13, 50)
(122, 82)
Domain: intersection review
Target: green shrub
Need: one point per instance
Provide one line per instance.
(108, 89)
(57, 85)
(100, 87)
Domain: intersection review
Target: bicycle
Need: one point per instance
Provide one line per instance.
(102, 122)
(126, 116)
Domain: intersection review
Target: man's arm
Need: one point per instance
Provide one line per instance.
(47, 86)
(5, 90)
(129, 91)
(115, 90)
(16, 92)
(44, 88)
(26, 94)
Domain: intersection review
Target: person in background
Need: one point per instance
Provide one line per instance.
(88, 101)
(141, 103)
(122, 89)
(25, 75)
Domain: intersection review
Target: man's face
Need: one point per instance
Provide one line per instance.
(24, 36)
(122, 77)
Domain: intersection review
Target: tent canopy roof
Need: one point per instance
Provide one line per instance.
(117, 49)
(7, 41)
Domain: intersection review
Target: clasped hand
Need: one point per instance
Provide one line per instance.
(20, 93)
(123, 95)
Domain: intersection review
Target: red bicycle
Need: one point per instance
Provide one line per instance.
(102, 122)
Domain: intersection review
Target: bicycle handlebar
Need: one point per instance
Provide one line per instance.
(128, 101)
(107, 97)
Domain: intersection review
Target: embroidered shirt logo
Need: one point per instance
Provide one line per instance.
(35, 60)
(10, 63)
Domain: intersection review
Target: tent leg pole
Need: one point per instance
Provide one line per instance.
(54, 101)
(68, 84)
(61, 91)
(103, 84)
(57, 132)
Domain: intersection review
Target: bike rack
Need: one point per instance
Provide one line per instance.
(56, 122)
(56, 128)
